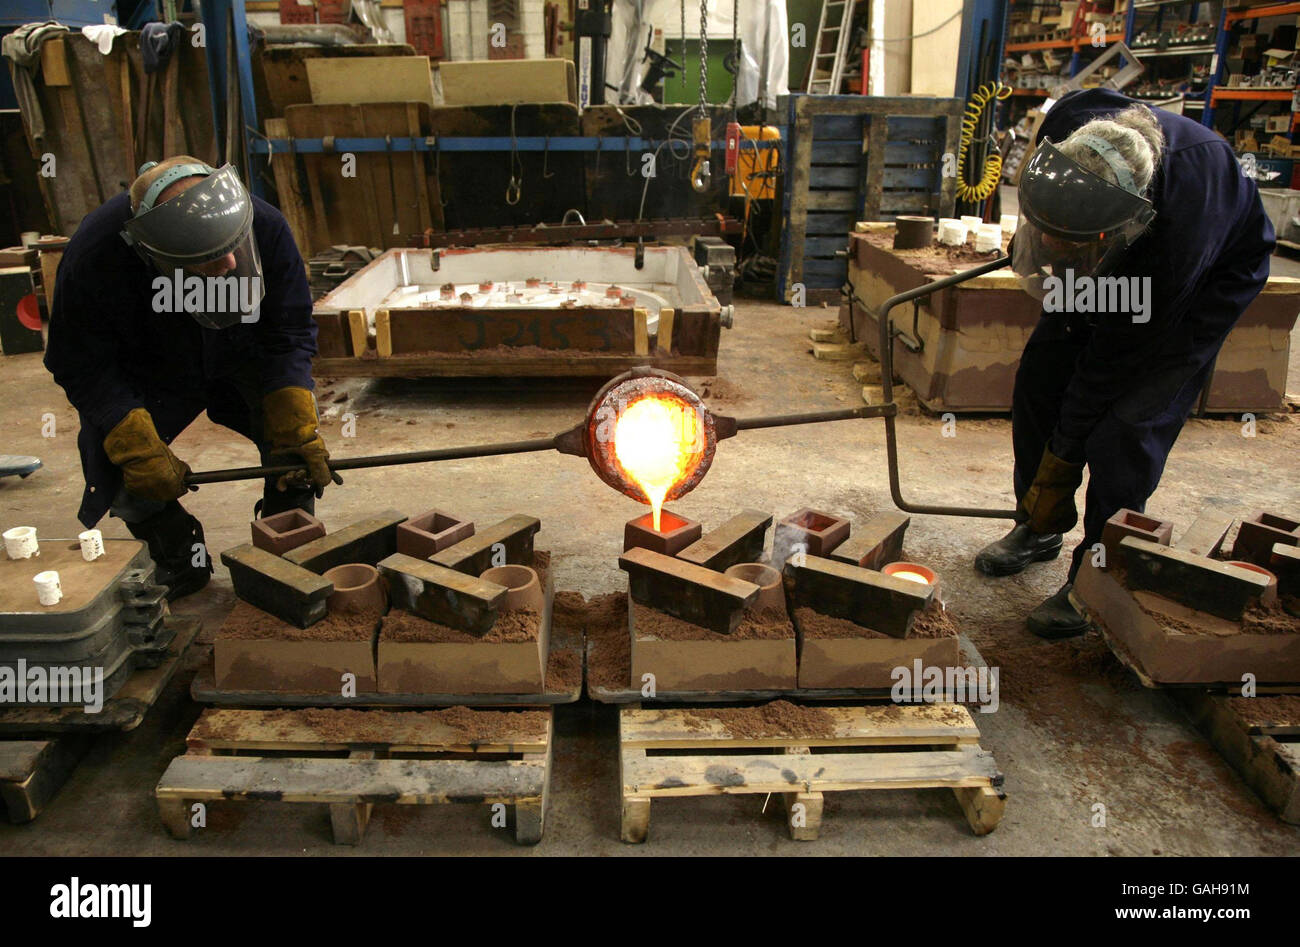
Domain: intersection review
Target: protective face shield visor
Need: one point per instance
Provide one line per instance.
(202, 241)
(1073, 221)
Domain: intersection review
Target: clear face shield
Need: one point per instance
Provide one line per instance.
(1073, 223)
(202, 244)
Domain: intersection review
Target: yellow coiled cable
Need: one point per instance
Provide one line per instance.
(971, 193)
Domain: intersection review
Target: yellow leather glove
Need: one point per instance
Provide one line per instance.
(290, 427)
(149, 469)
(1048, 504)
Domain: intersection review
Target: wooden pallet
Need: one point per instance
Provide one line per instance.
(889, 737)
(401, 757)
(1262, 746)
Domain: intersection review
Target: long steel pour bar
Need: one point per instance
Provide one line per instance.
(887, 390)
(726, 427)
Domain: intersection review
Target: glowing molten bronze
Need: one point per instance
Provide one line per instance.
(650, 437)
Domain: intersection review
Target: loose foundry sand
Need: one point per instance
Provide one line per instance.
(931, 622)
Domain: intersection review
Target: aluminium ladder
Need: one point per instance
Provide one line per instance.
(826, 77)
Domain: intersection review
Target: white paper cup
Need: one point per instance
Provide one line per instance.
(30, 238)
(48, 589)
(21, 543)
(1009, 223)
(972, 223)
(92, 544)
(952, 232)
(988, 238)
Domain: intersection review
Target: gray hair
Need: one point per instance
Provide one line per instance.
(1134, 133)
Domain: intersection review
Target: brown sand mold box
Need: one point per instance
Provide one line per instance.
(431, 532)
(523, 588)
(356, 589)
(281, 532)
(838, 653)
(771, 591)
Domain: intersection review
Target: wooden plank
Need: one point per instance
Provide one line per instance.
(1198, 583)
(664, 338)
(640, 332)
(285, 169)
(54, 63)
(803, 810)
(394, 731)
(358, 332)
(835, 177)
(832, 201)
(429, 211)
(877, 134)
(383, 334)
(348, 820)
(373, 79)
(837, 152)
(1270, 767)
(697, 727)
(401, 781)
(656, 776)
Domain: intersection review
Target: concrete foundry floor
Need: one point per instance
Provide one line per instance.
(1073, 729)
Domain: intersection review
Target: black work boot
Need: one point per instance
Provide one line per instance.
(1017, 549)
(1057, 617)
(171, 536)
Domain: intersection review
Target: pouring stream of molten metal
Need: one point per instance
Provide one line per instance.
(656, 440)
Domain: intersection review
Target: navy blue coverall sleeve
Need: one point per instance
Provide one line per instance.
(83, 353)
(286, 333)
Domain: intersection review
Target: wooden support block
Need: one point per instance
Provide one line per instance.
(641, 336)
(876, 543)
(287, 189)
(634, 825)
(530, 814)
(368, 541)
(832, 334)
(687, 591)
(512, 537)
(740, 539)
(276, 585)
(871, 599)
(349, 819)
(838, 351)
(804, 822)
(33, 771)
(383, 335)
(54, 62)
(1200, 584)
(983, 806)
(358, 332)
(665, 337)
(1206, 535)
(442, 595)
(175, 814)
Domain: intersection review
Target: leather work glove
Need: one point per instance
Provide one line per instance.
(289, 425)
(1048, 504)
(149, 469)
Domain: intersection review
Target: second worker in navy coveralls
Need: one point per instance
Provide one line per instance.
(1115, 189)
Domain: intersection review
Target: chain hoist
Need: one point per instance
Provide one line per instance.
(702, 127)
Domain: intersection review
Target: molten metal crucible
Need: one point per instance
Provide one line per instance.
(648, 436)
